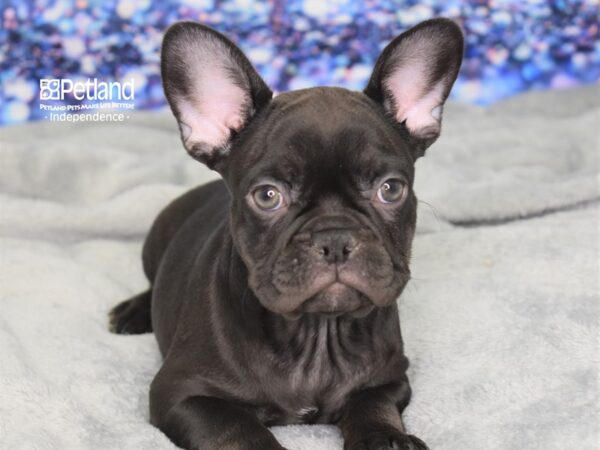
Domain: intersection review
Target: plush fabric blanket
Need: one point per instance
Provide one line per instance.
(500, 321)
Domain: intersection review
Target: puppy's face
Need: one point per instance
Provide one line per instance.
(322, 212)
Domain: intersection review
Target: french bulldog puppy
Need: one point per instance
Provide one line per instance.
(273, 291)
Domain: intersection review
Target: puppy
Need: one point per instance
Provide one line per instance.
(273, 290)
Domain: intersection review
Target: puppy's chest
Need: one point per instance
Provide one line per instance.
(312, 380)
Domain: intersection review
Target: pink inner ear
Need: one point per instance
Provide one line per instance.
(414, 101)
(215, 106)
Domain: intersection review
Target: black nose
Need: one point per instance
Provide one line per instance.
(335, 246)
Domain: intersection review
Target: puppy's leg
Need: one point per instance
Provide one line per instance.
(132, 316)
(209, 423)
(372, 420)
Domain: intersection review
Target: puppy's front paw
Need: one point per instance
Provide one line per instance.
(385, 440)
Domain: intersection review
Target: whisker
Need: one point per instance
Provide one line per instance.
(418, 279)
(433, 210)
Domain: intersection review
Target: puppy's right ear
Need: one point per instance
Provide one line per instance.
(212, 89)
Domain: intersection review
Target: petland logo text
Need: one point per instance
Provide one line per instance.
(92, 89)
(65, 100)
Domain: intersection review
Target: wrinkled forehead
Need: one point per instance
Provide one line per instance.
(324, 131)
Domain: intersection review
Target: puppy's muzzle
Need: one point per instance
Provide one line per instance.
(334, 240)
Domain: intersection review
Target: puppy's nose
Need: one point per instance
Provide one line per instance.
(335, 246)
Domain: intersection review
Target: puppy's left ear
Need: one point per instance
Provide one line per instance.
(413, 77)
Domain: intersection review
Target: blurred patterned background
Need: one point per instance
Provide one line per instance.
(512, 45)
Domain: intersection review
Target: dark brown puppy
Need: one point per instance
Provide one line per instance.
(273, 291)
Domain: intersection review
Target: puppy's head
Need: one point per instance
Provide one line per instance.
(322, 213)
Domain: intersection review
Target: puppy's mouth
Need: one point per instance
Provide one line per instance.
(337, 299)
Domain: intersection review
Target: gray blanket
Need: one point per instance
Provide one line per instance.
(501, 318)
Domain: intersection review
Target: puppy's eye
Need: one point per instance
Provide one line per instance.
(391, 190)
(267, 197)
